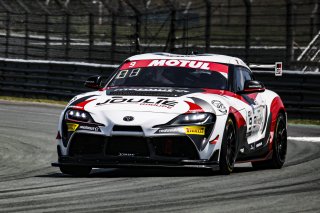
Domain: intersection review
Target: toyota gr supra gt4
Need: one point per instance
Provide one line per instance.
(168, 110)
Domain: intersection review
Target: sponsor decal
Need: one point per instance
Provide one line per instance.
(258, 144)
(219, 106)
(170, 130)
(89, 128)
(194, 130)
(158, 102)
(168, 90)
(72, 127)
(127, 154)
(189, 130)
(176, 63)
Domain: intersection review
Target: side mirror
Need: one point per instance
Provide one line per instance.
(252, 87)
(93, 82)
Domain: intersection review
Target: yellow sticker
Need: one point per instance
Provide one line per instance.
(72, 127)
(194, 130)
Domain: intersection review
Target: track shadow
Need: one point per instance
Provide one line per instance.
(149, 172)
(138, 172)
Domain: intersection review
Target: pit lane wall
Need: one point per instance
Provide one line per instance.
(62, 80)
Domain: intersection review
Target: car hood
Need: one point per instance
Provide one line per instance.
(142, 99)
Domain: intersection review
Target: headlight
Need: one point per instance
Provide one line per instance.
(78, 115)
(194, 118)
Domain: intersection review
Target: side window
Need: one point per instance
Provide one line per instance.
(241, 75)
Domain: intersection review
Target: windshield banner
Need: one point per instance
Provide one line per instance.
(176, 63)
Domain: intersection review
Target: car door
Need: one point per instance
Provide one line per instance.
(256, 108)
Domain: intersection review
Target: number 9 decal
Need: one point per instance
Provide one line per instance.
(132, 64)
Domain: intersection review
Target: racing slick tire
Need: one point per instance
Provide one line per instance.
(279, 147)
(79, 171)
(228, 148)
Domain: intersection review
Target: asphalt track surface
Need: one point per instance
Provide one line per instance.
(29, 184)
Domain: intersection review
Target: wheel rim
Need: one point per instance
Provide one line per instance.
(231, 146)
(281, 141)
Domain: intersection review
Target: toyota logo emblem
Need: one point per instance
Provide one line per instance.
(128, 118)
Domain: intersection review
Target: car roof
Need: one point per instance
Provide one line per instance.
(224, 59)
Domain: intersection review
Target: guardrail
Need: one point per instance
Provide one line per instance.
(47, 79)
(61, 81)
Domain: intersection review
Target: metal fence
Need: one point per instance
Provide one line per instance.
(110, 31)
(61, 81)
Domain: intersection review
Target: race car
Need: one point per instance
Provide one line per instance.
(169, 110)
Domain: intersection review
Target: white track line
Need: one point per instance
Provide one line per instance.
(305, 139)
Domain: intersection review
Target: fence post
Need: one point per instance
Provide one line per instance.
(311, 27)
(67, 36)
(248, 29)
(138, 32)
(318, 16)
(7, 34)
(91, 35)
(289, 33)
(26, 35)
(137, 25)
(172, 33)
(113, 37)
(208, 25)
(46, 47)
(185, 32)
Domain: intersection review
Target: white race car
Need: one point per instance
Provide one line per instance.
(168, 110)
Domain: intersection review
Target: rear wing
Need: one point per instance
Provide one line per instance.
(277, 67)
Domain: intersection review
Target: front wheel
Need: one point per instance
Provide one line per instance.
(279, 147)
(79, 171)
(228, 148)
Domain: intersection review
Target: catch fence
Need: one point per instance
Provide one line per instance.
(110, 31)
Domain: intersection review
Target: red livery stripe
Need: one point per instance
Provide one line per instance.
(193, 107)
(239, 118)
(83, 104)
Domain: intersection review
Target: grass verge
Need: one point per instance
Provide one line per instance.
(34, 100)
(304, 121)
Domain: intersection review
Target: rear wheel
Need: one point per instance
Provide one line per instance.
(228, 149)
(279, 147)
(79, 171)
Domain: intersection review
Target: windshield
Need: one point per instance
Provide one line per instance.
(171, 76)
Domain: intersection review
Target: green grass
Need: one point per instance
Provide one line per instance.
(33, 100)
(304, 121)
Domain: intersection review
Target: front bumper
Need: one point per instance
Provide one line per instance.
(99, 151)
(119, 162)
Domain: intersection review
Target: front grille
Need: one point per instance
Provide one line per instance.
(89, 145)
(85, 144)
(127, 146)
(127, 128)
(180, 147)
